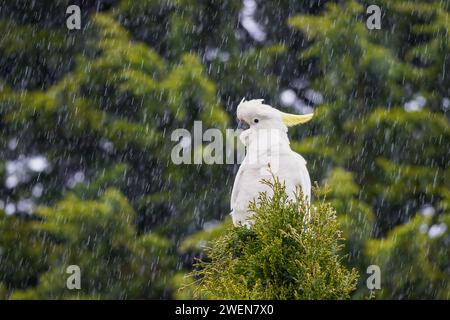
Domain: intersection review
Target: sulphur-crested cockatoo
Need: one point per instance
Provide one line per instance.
(267, 153)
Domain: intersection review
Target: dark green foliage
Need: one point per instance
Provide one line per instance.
(397, 155)
(21, 254)
(100, 104)
(98, 236)
(75, 117)
(414, 259)
(284, 255)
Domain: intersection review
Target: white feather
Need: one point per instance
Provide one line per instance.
(288, 166)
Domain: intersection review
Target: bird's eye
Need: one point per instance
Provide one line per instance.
(255, 120)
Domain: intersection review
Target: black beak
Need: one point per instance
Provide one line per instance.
(243, 125)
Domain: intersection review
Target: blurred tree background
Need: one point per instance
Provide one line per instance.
(86, 118)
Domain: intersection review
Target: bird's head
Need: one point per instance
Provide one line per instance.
(262, 116)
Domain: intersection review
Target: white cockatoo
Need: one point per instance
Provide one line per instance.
(267, 152)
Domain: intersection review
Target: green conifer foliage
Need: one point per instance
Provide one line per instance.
(369, 79)
(414, 259)
(21, 254)
(99, 236)
(123, 94)
(284, 255)
(100, 103)
(385, 121)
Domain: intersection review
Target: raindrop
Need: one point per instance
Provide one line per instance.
(25, 206)
(416, 104)
(288, 97)
(446, 104)
(428, 211)
(11, 181)
(314, 96)
(37, 190)
(13, 143)
(10, 209)
(437, 230)
(38, 163)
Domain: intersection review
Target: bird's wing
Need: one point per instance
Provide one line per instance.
(300, 159)
(304, 179)
(235, 191)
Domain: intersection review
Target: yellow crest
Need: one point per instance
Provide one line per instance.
(294, 119)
